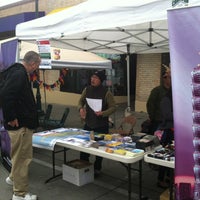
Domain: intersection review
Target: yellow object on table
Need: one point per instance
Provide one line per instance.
(114, 144)
(108, 137)
(109, 150)
(120, 151)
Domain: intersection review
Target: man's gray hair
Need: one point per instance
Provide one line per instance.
(31, 56)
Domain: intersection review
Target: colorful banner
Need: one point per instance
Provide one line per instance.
(45, 54)
(184, 32)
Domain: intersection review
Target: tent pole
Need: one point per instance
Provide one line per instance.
(17, 59)
(36, 8)
(128, 78)
(38, 95)
(45, 99)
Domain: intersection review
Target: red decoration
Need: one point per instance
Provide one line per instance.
(34, 78)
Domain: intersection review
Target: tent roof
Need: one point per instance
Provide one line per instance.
(70, 58)
(112, 26)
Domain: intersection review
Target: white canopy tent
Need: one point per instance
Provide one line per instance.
(106, 26)
(69, 58)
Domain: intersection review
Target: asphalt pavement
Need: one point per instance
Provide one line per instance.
(112, 183)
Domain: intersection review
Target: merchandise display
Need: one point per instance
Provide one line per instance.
(115, 147)
(110, 143)
(162, 153)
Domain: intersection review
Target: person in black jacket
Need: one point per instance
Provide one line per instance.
(154, 99)
(96, 119)
(167, 125)
(20, 120)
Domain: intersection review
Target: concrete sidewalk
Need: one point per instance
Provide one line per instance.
(112, 184)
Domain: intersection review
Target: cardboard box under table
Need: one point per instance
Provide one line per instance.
(165, 195)
(78, 172)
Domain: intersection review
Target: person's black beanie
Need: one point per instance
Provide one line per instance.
(100, 74)
(165, 70)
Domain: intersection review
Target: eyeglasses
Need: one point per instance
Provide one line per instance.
(166, 77)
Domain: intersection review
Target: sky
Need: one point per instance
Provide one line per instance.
(7, 2)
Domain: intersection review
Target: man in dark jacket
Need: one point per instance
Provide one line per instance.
(20, 119)
(96, 119)
(155, 97)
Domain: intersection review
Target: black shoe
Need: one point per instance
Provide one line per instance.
(97, 173)
(162, 184)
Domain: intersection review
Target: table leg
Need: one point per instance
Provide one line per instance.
(65, 160)
(129, 181)
(140, 179)
(171, 184)
(53, 163)
(128, 167)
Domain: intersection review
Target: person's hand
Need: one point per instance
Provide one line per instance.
(14, 123)
(99, 113)
(82, 113)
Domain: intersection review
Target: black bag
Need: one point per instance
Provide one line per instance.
(5, 150)
(146, 126)
(167, 137)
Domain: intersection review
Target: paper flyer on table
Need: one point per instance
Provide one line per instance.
(48, 139)
(95, 104)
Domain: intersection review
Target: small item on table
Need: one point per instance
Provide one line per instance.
(114, 144)
(120, 151)
(109, 150)
(91, 135)
(108, 137)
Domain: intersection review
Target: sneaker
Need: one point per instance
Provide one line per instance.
(28, 196)
(9, 181)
